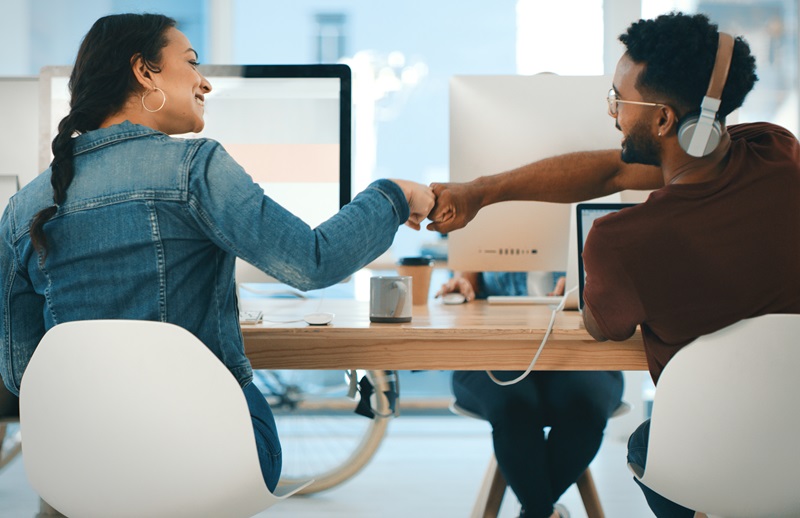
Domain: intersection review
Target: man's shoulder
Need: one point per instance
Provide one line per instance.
(765, 144)
(756, 130)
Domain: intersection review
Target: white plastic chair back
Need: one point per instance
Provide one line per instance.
(130, 419)
(725, 424)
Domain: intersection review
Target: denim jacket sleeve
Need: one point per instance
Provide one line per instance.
(243, 220)
(16, 291)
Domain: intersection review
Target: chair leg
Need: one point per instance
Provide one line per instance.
(490, 496)
(588, 491)
(47, 511)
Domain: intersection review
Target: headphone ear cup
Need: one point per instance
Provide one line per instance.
(686, 130)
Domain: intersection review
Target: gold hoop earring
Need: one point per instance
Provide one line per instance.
(163, 101)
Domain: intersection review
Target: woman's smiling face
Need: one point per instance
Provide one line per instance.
(183, 86)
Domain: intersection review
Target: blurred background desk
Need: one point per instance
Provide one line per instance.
(472, 336)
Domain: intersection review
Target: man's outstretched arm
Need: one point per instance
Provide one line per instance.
(563, 179)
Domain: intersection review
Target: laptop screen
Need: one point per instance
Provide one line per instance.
(587, 213)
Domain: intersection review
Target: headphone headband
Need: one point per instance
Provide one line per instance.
(699, 135)
(722, 64)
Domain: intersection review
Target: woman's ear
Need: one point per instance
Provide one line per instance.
(143, 75)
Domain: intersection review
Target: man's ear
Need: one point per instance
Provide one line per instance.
(668, 120)
(143, 75)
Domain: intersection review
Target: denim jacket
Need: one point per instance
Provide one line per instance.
(150, 230)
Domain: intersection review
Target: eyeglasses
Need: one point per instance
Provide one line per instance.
(613, 102)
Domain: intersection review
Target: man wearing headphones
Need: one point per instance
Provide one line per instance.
(716, 242)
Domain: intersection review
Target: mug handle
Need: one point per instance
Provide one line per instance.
(402, 293)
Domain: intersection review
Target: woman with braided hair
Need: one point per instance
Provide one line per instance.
(131, 223)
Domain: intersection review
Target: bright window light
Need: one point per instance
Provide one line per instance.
(564, 37)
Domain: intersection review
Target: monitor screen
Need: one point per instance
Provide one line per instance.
(586, 214)
(498, 123)
(287, 125)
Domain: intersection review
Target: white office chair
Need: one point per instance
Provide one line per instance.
(725, 425)
(131, 419)
(493, 488)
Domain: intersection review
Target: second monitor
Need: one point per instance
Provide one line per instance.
(501, 122)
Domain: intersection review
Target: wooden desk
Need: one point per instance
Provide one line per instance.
(472, 336)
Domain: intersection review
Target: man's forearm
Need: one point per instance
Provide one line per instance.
(562, 179)
(568, 178)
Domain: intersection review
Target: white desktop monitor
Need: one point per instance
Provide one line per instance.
(501, 122)
(289, 126)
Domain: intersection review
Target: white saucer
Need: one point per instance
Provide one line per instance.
(318, 319)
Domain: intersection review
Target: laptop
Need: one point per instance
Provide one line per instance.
(586, 214)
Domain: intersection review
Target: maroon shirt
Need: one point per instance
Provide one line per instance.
(695, 258)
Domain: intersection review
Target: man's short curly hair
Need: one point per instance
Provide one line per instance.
(678, 51)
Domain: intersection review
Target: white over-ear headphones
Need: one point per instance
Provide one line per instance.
(699, 133)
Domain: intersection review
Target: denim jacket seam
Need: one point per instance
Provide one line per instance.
(116, 137)
(196, 210)
(6, 328)
(18, 232)
(155, 232)
(113, 199)
(9, 284)
(217, 305)
(186, 165)
(395, 208)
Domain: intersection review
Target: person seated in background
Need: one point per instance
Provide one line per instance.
(538, 466)
(131, 223)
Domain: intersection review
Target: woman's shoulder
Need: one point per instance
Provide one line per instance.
(25, 204)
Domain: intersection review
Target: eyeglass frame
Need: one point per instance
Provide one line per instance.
(612, 98)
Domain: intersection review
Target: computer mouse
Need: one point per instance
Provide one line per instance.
(453, 298)
(318, 319)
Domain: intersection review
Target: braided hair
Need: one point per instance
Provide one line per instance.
(100, 84)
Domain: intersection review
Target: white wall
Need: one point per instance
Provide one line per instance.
(617, 16)
(19, 106)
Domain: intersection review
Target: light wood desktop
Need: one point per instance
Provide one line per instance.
(471, 336)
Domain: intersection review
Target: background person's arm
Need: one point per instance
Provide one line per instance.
(563, 179)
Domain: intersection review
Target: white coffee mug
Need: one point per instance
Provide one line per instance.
(390, 299)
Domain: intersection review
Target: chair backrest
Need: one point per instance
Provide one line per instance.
(725, 425)
(130, 418)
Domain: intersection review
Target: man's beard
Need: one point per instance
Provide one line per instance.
(639, 147)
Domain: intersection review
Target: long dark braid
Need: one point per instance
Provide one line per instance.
(101, 82)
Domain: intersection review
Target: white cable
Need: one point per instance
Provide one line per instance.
(541, 346)
(301, 319)
(245, 287)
